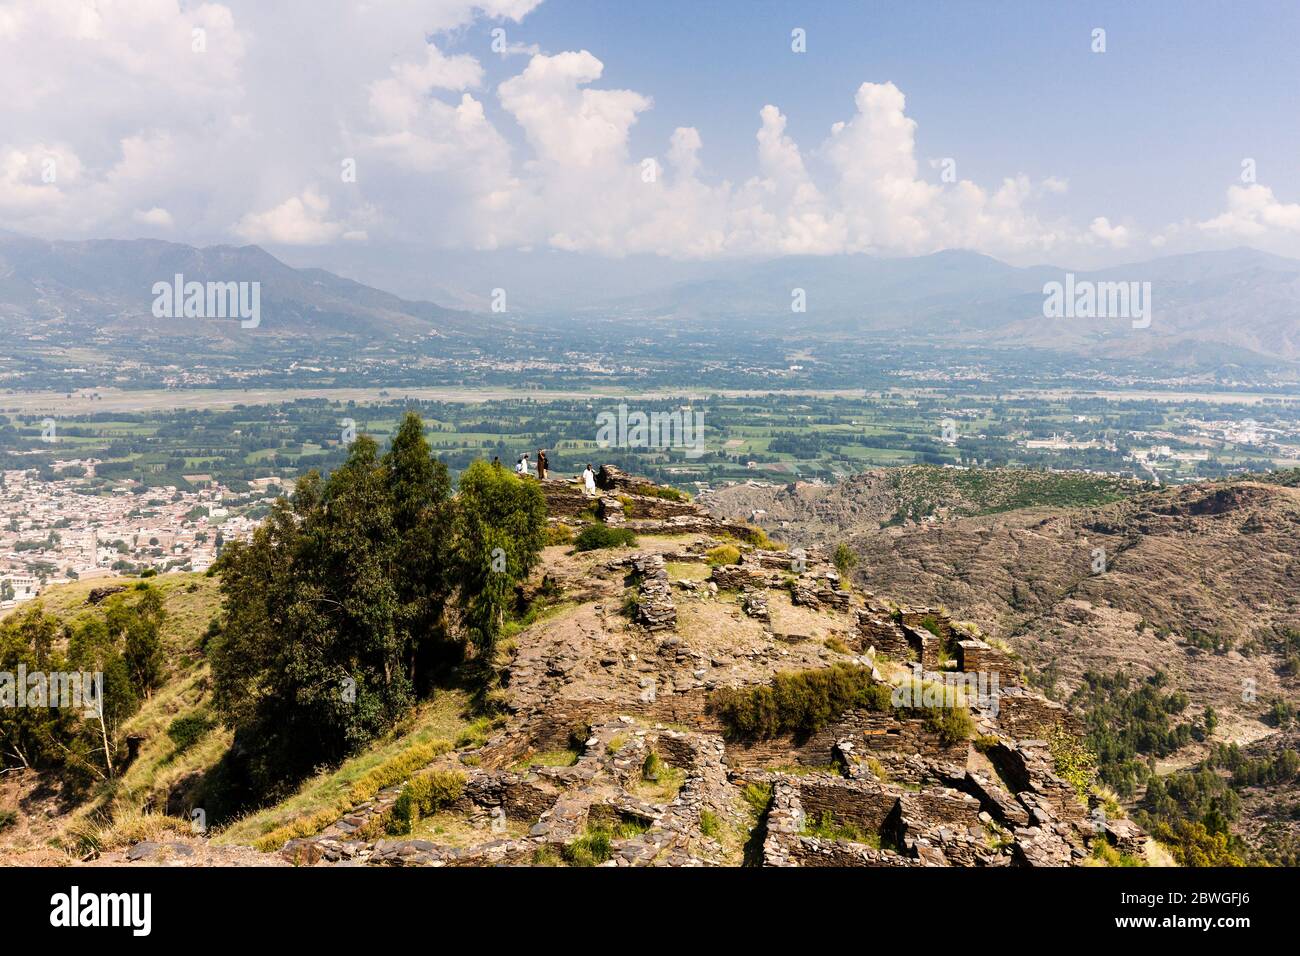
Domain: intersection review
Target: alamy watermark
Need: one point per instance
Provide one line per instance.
(70, 690)
(1086, 299)
(179, 299)
(948, 689)
(624, 429)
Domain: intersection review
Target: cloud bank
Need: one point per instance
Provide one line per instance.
(268, 123)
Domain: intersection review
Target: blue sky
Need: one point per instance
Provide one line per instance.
(1061, 154)
(1159, 123)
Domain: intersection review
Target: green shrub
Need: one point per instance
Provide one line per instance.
(1074, 761)
(428, 793)
(651, 766)
(186, 731)
(7, 819)
(597, 536)
(710, 825)
(590, 849)
(799, 702)
(952, 724)
(723, 554)
(845, 560)
(559, 534)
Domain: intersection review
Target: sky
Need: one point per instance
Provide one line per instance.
(396, 131)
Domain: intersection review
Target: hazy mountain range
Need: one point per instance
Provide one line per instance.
(1237, 305)
(107, 285)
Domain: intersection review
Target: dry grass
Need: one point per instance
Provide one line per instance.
(334, 791)
(128, 827)
(453, 829)
(190, 602)
(688, 571)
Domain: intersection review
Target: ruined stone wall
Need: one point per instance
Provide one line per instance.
(733, 577)
(914, 617)
(870, 808)
(1025, 716)
(808, 851)
(941, 808)
(550, 728)
(871, 732)
(925, 644)
(885, 636)
(978, 656)
(677, 751)
(658, 508)
(565, 499)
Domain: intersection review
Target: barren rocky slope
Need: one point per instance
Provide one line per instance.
(1197, 579)
(1198, 582)
(810, 514)
(615, 750)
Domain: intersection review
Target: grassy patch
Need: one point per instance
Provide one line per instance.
(799, 702)
(1106, 855)
(826, 827)
(591, 849)
(663, 788)
(126, 828)
(1073, 760)
(758, 800)
(332, 790)
(723, 554)
(594, 537)
(687, 571)
(425, 794)
(549, 758)
(710, 825)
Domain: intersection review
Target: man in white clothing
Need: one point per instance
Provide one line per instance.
(522, 467)
(589, 480)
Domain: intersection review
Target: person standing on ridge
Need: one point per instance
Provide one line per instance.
(543, 466)
(589, 481)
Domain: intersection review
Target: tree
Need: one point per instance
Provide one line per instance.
(143, 652)
(420, 490)
(845, 560)
(500, 532)
(333, 623)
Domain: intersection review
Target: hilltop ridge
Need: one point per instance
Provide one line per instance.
(679, 690)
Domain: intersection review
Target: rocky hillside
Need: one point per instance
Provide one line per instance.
(1195, 586)
(678, 691)
(815, 514)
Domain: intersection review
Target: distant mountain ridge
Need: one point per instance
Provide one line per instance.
(1237, 306)
(1240, 299)
(107, 284)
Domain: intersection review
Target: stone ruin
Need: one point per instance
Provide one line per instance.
(611, 687)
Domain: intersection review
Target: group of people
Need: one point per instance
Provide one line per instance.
(543, 465)
(523, 468)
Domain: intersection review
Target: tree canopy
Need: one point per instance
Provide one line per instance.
(359, 595)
